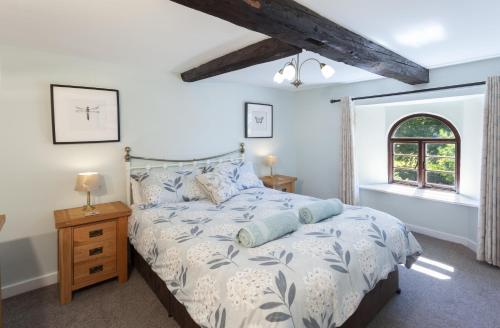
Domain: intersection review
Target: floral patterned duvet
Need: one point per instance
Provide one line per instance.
(314, 277)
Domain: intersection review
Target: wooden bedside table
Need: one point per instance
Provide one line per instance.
(91, 248)
(280, 182)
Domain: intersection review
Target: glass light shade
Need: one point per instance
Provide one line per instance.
(327, 71)
(289, 72)
(278, 77)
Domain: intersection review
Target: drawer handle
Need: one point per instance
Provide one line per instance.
(96, 269)
(95, 233)
(95, 251)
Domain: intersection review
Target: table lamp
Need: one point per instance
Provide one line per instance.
(271, 160)
(88, 182)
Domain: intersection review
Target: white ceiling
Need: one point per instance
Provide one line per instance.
(171, 38)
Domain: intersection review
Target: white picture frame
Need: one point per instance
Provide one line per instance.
(258, 120)
(84, 114)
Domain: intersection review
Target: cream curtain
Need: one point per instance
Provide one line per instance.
(348, 186)
(489, 214)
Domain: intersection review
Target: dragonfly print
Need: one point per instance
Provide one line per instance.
(88, 110)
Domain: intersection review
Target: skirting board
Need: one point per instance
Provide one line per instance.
(29, 285)
(444, 236)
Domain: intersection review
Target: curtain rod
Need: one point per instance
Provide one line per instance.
(456, 86)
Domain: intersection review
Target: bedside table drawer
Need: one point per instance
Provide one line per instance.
(94, 232)
(94, 251)
(90, 272)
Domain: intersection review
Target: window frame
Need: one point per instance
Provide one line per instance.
(421, 161)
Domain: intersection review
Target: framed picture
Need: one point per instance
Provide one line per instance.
(258, 120)
(84, 115)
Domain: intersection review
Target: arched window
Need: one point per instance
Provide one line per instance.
(424, 151)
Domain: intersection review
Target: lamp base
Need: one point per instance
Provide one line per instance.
(88, 208)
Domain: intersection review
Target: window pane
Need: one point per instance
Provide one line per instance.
(407, 161)
(440, 164)
(406, 148)
(442, 178)
(423, 127)
(440, 149)
(405, 175)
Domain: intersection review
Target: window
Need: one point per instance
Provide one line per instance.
(424, 151)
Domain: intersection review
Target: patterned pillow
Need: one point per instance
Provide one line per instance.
(242, 173)
(191, 190)
(230, 170)
(248, 179)
(135, 186)
(170, 186)
(218, 186)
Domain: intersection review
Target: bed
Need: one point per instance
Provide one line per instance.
(336, 273)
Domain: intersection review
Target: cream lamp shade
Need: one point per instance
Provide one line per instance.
(88, 182)
(271, 160)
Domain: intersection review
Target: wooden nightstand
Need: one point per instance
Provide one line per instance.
(280, 182)
(91, 248)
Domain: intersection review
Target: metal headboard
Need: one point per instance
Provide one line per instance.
(225, 157)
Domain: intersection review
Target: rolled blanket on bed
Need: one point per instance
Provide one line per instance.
(262, 231)
(320, 210)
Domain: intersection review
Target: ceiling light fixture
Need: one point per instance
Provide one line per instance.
(292, 70)
(279, 77)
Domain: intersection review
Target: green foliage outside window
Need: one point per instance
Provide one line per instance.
(405, 175)
(440, 158)
(424, 127)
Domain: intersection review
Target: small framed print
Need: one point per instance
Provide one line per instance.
(84, 115)
(258, 120)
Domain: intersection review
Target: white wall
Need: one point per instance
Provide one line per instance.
(160, 116)
(318, 146)
(451, 222)
(318, 133)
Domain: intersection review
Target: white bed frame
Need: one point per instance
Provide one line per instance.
(147, 164)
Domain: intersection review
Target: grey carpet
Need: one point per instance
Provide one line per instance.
(470, 298)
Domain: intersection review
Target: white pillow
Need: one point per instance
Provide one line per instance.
(218, 186)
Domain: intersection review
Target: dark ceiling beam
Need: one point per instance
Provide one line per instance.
(258, 53)
(292, 23)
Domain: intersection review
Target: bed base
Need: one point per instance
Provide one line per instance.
(371, 304)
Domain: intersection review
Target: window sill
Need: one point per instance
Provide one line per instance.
(434, 195)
